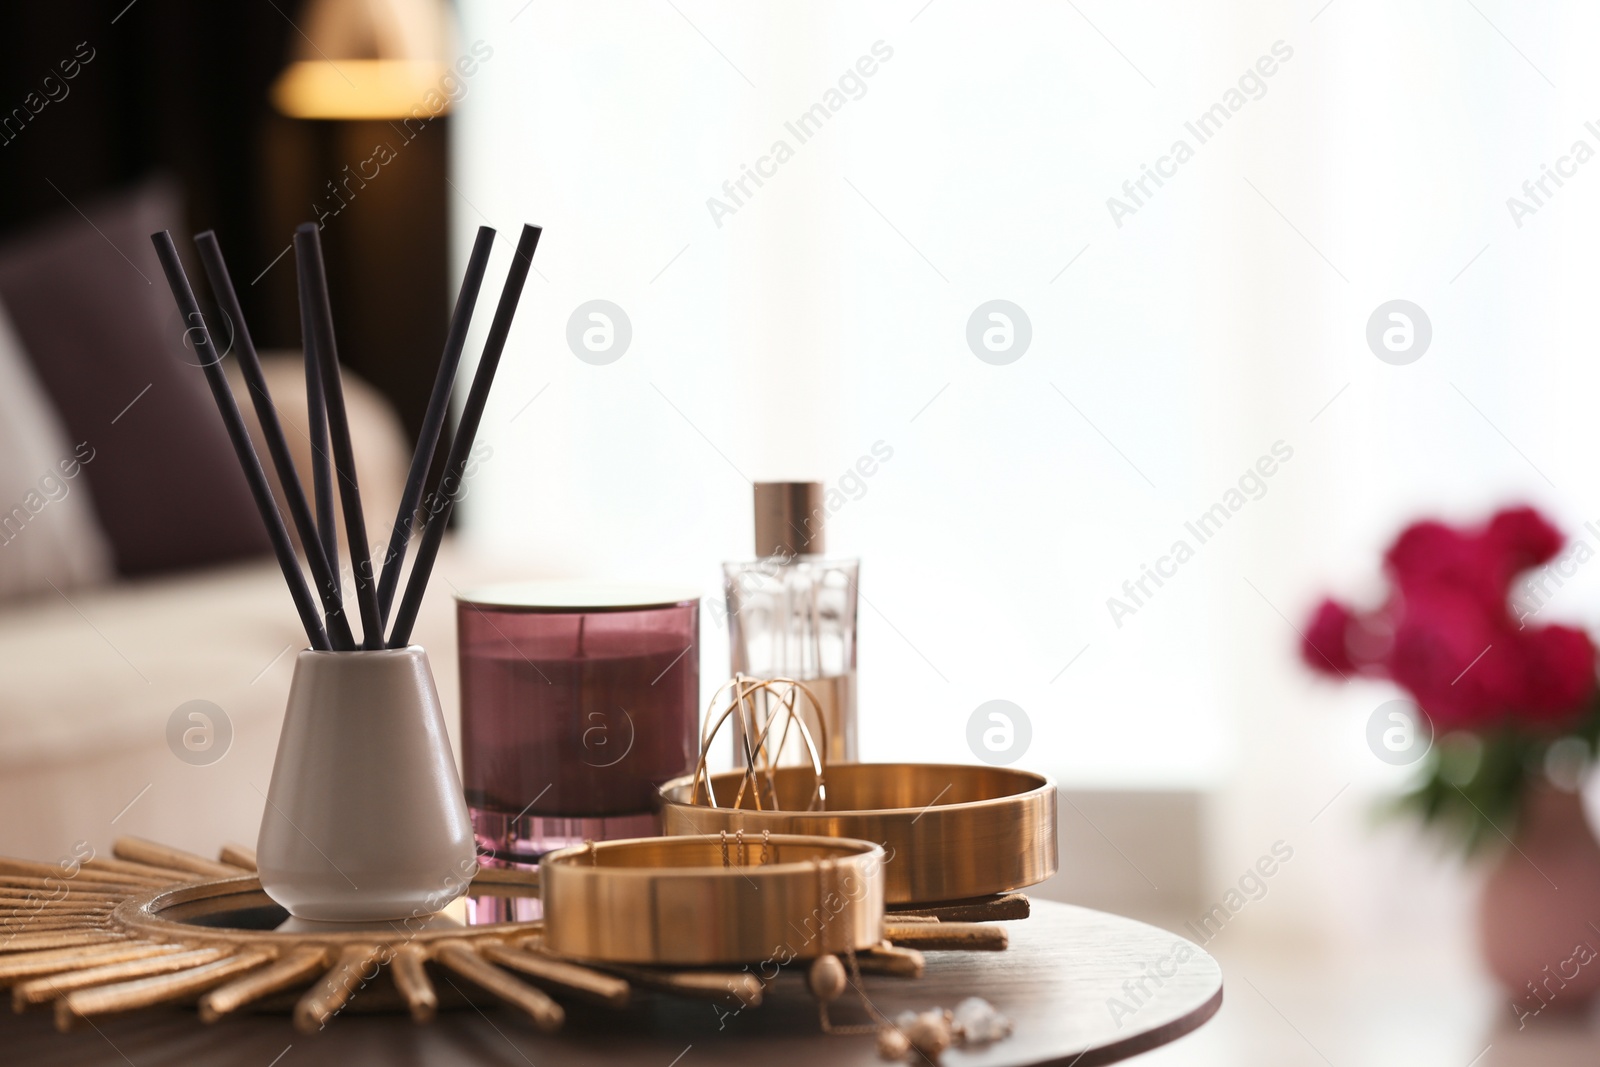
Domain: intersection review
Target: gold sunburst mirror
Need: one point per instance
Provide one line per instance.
(153, 925)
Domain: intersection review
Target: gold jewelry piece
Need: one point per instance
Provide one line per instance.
(755, 706)
(828, 981)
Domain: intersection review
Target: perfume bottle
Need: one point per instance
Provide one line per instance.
(792, 614)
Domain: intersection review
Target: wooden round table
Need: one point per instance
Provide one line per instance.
(1082, 986)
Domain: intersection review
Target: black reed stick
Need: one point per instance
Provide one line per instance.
(317, 416)
(217, 378)
(449, 487)
(322, 571)
(308, 258)
(433, 420)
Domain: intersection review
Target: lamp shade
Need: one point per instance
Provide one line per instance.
(365, 59)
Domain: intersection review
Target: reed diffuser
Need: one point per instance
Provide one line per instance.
(365, 817)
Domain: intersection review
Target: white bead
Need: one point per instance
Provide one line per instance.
(979, 1021)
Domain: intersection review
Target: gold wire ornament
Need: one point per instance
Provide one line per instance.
(756, 706)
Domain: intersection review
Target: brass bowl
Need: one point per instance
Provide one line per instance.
(690, 901)
(949, 831)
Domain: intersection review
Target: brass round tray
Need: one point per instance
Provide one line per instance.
(949, 831)
(731, 898)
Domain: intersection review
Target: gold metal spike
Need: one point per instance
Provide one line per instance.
(38, 918)
(105, 866)
(459, 956)
(323, 1000)
(547, 970)
(32, 964)
(411, 979)
(60, 900)
(891, 960)
(85, 921)
(30, 942)
(969, 937)
(49, 987)
(298, 966)
(740, 986)
(145, 992)
(62, 911)
(58, 885)
(138, 850)
(9, 896)
(1005, 906)
(238, 856)
(50, 876)
(70, 924)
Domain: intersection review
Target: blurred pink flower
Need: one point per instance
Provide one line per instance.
(1446, 633)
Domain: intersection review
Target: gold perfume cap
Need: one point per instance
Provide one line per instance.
(789, 519)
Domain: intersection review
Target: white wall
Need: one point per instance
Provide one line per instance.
(829, 313)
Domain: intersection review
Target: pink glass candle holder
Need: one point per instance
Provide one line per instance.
(577, 701)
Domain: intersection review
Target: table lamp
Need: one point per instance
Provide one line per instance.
(364, 59)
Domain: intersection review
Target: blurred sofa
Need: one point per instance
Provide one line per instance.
(93, 675)
(135, 574)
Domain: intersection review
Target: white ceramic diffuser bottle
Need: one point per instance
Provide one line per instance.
(365, 818)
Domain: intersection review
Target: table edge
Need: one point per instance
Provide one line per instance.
(1138, 1044)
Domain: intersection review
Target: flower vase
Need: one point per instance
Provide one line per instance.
(365, 818)
(1534, 915)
